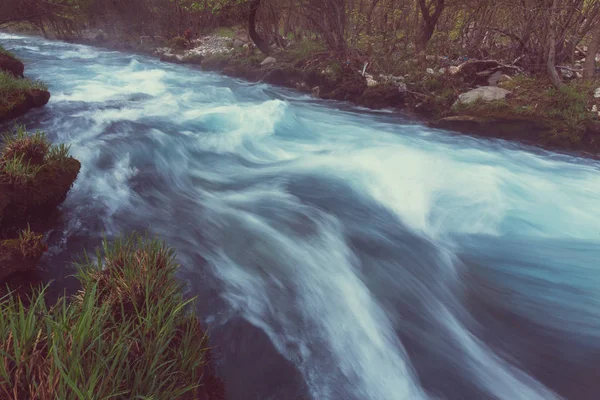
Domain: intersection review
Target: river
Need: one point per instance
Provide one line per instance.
(337, 253)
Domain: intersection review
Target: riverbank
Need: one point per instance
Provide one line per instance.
(476, 97)
(155, 349)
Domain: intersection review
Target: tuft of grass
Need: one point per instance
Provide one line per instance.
(17, 172)
(33, 147)
(9, 84)
(58, 154)
(7, 53)
(31, 244)
(126, 335)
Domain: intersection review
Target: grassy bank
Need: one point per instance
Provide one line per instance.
(35, 177)
(126, 335)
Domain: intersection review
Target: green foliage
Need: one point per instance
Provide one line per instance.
(18, 172)
(126, 335)
(31, 243)
(8, 84)
(31, 147)
(7, 53)
(58, 154)
(225, 32)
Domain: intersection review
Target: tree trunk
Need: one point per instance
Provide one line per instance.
(589, 67)
(260, 43)
(551, 64)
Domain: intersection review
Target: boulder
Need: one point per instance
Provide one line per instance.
(597, 93)
(19, 102)
(11, 65)
(268, 61)
(316, 91)
(238, 43)
(485, 93)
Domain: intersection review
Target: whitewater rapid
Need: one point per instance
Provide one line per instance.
(337, 253)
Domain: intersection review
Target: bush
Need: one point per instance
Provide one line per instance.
(126, 335)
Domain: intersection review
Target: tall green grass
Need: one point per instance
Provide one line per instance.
(23, 155)
(6, 52)
(8, 84)
(126, 335)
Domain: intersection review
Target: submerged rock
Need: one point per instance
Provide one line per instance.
(484, 93)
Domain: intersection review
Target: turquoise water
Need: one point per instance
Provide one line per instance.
(336, 253)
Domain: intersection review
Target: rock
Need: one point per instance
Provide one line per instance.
(485, 93)
(430, 71)
(11, 65)
(454, 70)
(371, 81)
(594, 108)
(275, 77)
(382, 96)
(505, 78)
(392, 79)
(597, 93)
(442, 71)
(238, 43)
(402, 88)
(172, 58)
(192, 57)
(495, 78)
(20, 102)
(316, 91)
(567, 73)
(17, 256)
(268, 61)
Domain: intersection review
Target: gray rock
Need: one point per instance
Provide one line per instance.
(172, 58)
(316, 91)
(268, 61)
(238, 43)
(505, 78)
(485, 93)
(597, 93)
(495, 78)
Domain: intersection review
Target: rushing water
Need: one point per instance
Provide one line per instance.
(336, 253)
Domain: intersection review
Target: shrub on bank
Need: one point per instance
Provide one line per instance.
(126, 335)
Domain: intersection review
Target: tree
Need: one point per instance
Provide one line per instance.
(429, 20)
(261, 44)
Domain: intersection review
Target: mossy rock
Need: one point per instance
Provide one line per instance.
(17, 256)
(12, 65)
(40, 198)
(18, 103)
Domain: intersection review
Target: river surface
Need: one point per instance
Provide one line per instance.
(337, 253)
